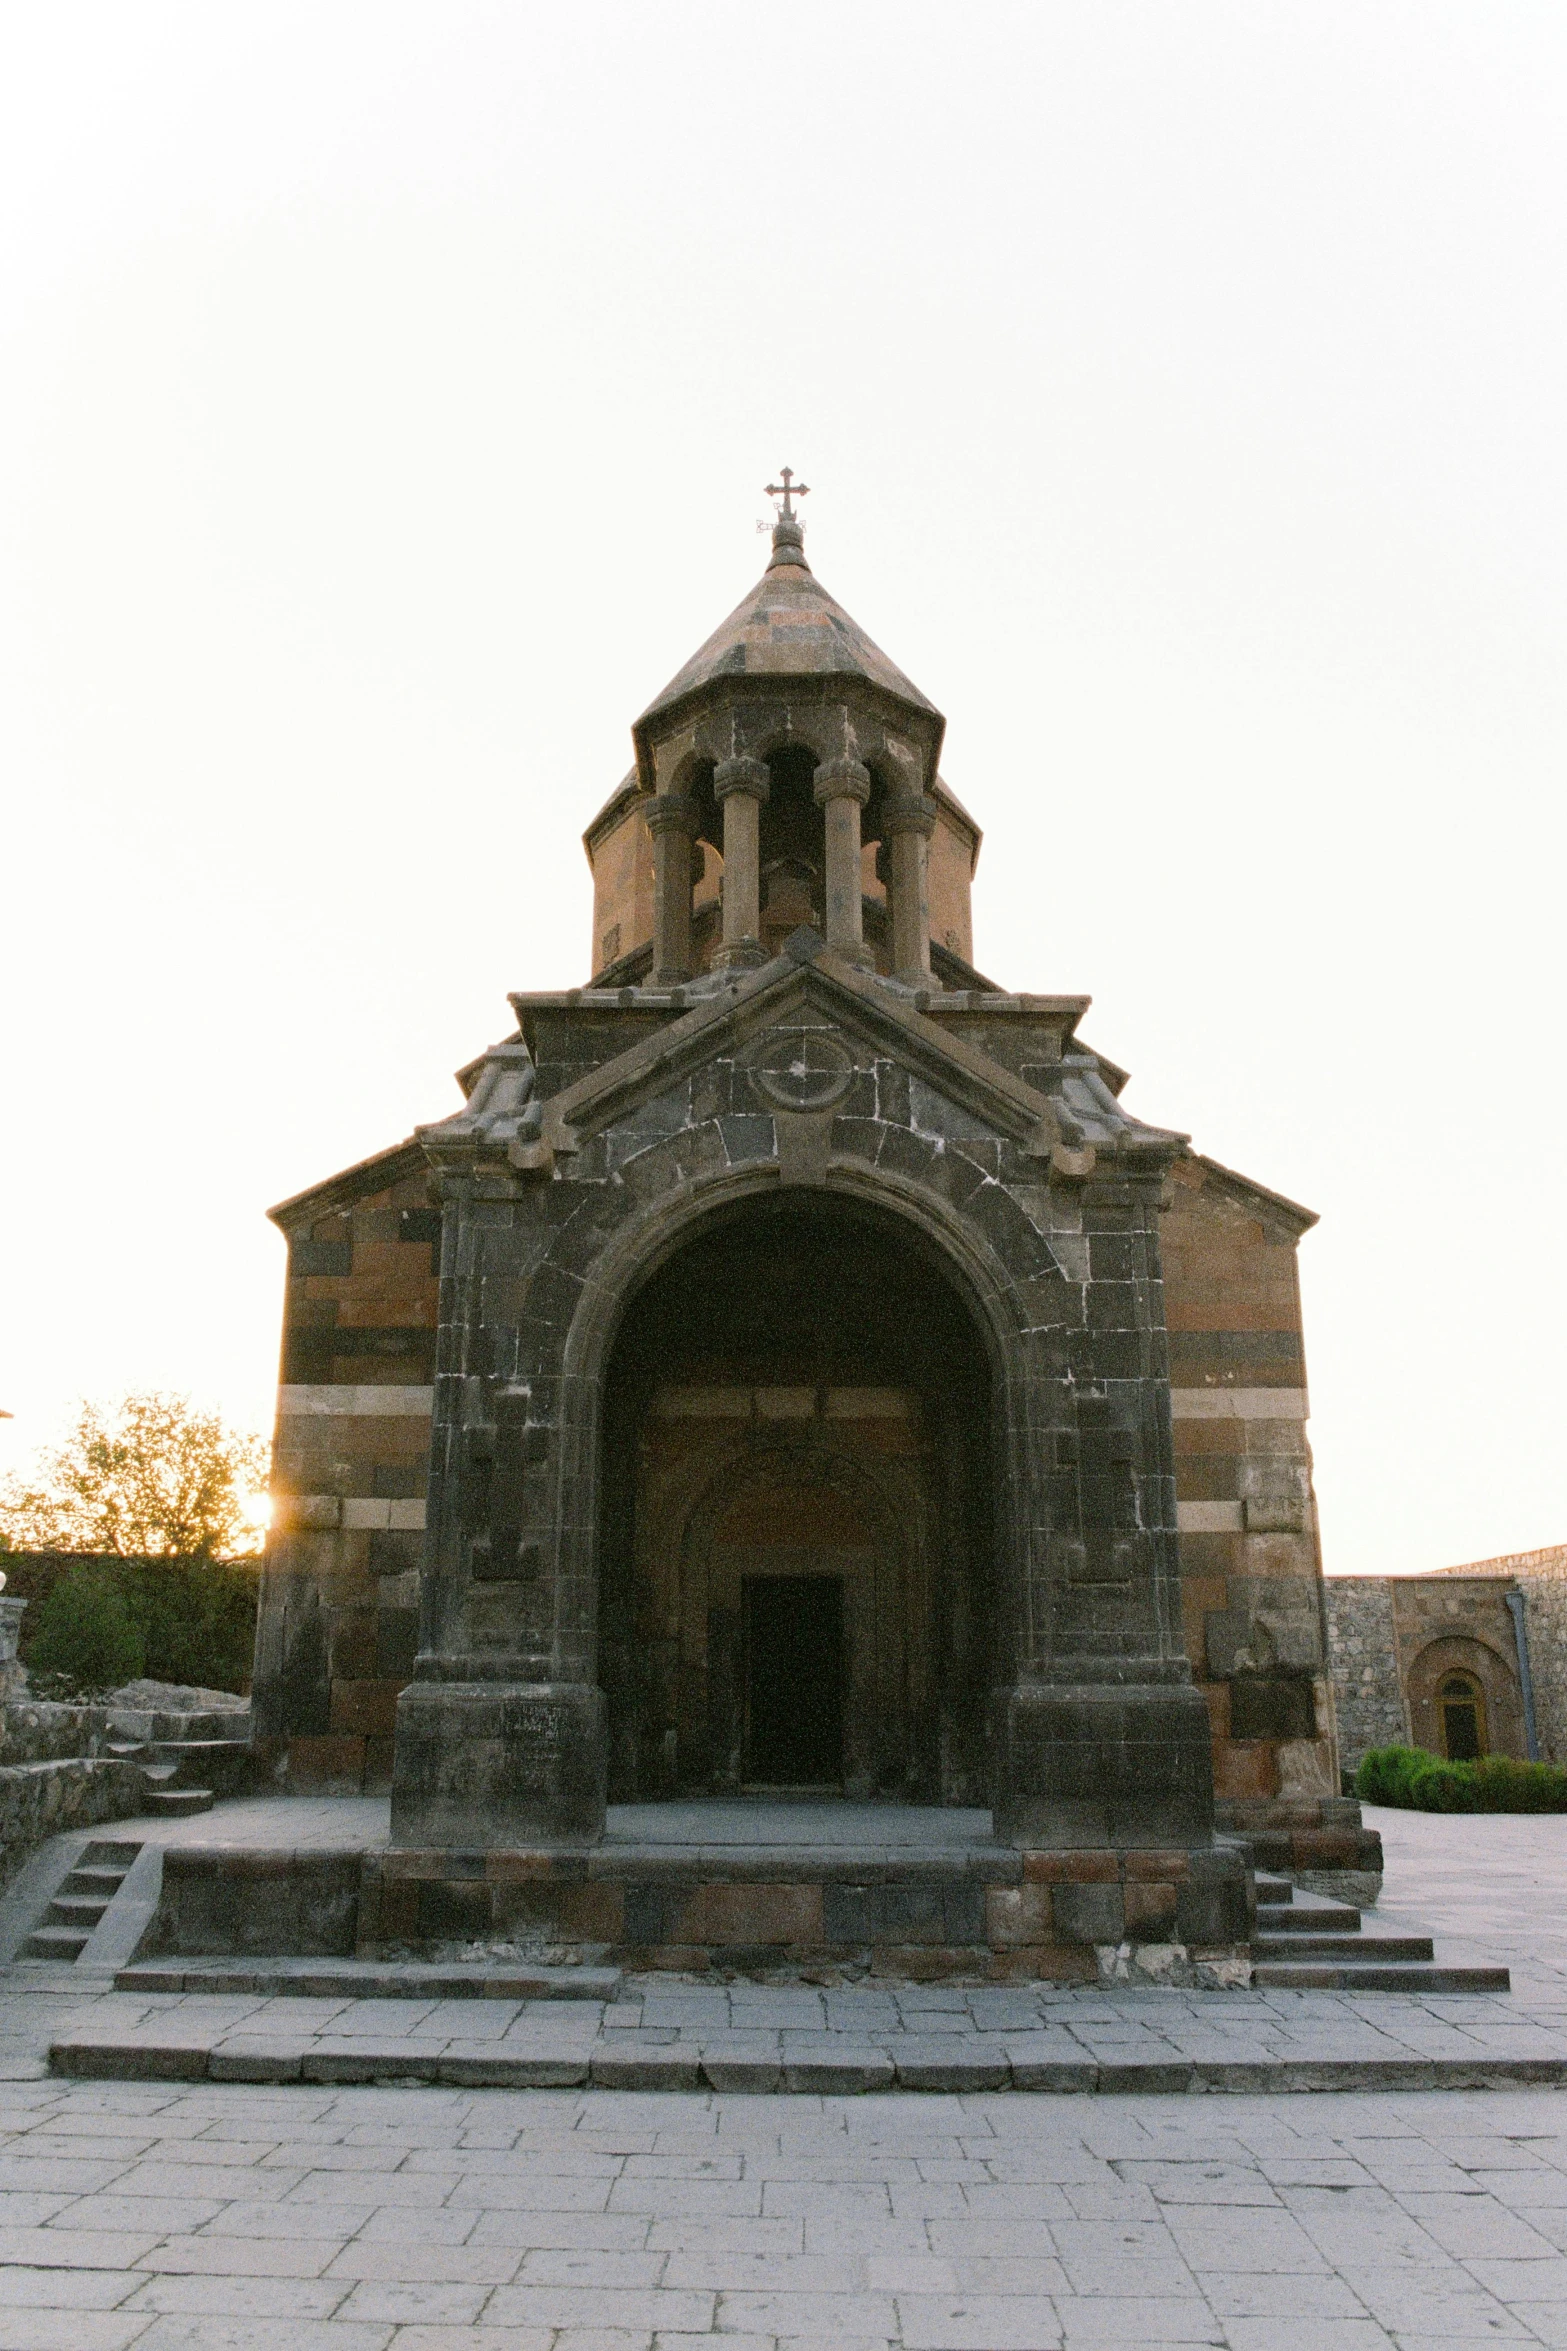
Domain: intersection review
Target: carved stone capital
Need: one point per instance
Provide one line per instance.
(909, 812)
(842, 779)
(748, 776)
(671, 812)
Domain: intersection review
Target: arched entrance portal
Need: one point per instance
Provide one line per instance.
(796, 1533)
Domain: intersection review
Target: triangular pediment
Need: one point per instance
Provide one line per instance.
(807, 989)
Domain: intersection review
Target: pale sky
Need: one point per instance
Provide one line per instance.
(386, 395)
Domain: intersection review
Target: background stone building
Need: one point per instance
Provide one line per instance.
(784, 1008)
(1454, 1661)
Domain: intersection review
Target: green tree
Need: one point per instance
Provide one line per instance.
(86, 1639)
(151, 1477)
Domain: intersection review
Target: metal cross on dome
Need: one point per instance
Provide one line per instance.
(788, 490)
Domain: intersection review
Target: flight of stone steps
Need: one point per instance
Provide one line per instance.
(81, 1901)
(186, 1775)
(210, 1756)
(1305, 1942)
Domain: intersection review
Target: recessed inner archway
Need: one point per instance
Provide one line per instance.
(796, 1534)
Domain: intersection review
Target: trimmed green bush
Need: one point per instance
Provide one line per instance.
(86, 1638)
(1505, 1785)
(1443, 1787)
(1384, 1774)
(1420, 1782)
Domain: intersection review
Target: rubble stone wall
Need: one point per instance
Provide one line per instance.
(39, 1800)
(1364, 1650)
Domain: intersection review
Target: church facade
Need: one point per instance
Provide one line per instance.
(794, 1368)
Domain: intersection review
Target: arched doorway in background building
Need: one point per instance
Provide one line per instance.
(1461, 1704)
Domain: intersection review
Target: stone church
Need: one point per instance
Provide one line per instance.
(794, 1371)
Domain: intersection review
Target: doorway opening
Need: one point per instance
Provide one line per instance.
(796, 1551)
(793, 1649)
(1463, 1718)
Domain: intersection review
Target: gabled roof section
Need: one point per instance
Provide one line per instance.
(1246, 1189)
(375, 1174)
(788, 627)
(1065, 1119)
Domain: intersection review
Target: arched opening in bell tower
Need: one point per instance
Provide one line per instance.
(795, 1540)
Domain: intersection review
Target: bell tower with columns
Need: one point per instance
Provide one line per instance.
(787, 774)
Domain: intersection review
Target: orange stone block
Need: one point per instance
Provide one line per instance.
(1324, 1849)
(1063, 1963)
(728, 1915)
(590, 1912)
(1160, 1867)
(1150, 1912)
(1071, 1869)
(364, 1709)
(1244, 1767)
(509, 1869)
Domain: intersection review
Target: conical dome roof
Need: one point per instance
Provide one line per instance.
(788, 626)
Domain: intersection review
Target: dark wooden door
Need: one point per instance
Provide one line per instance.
(793, 1648)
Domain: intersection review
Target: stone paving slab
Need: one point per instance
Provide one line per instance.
(441, 2219)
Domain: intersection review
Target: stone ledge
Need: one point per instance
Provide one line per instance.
(380, 1979)
(851, 2069)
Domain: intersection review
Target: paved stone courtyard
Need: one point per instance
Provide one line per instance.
(216, 2217)
(285, 2220)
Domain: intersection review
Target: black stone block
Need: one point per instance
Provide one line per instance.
(647, 1914)
(1210, 1905)
(394, 1550)
(1272, 1706)
(396, 1642)
(319, 1257)
(307, 1358)
(454, 1912)
(1089, 1914)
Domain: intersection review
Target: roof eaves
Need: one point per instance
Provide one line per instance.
(351, 1183)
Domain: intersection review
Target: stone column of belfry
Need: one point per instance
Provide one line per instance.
(671, 819)
(908, 822)
(842, 788)
(741, 786)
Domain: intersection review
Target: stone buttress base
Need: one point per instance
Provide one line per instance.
(499, 1764)
(1099, 1766)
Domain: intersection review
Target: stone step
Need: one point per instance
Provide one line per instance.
(95, 1881)
(1355, 1975)
(55, 1943)
(373, 1979)
(1271, 1889)
(1373, 1947)
(222, 1764)
(1322, 1918)
(82, 1900)
(169, 2051)
(78, 1910)
(180, 1801)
